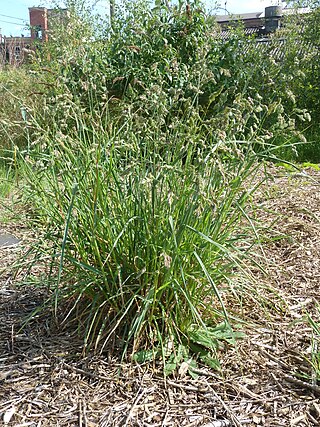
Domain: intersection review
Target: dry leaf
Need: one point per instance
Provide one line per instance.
(184, 367)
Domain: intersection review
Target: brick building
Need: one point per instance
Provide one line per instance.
(39, 23)
(14, 50)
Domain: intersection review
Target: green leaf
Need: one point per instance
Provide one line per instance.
(144, 356)
(203, 338)
(193, 365)
(211, 361)
(169, 368)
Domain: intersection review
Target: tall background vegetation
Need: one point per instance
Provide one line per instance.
(140, 158)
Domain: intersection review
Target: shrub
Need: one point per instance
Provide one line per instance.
(165, 63)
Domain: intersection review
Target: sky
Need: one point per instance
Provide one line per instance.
(14, 14)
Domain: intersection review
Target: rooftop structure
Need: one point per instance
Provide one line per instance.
(261, 23)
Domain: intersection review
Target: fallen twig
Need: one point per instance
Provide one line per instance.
(313, 387)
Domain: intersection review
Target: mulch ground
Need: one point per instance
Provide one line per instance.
(267, 379)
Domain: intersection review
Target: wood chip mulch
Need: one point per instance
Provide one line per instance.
(266, 380)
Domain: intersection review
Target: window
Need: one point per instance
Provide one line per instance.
(38, 32)
(17, 53)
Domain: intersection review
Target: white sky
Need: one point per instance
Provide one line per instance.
(242, 6)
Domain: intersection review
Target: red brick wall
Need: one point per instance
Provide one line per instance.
(39, 22)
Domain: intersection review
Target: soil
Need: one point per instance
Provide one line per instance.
(269, 378)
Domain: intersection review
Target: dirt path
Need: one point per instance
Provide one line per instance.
(265, 379)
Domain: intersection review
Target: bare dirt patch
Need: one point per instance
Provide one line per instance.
(267, 379)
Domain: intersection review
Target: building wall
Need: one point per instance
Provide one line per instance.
(39, 23)
(14, 50)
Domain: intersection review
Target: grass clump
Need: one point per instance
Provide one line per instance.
(141, 239)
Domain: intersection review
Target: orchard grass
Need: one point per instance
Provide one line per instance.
(143, 240)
